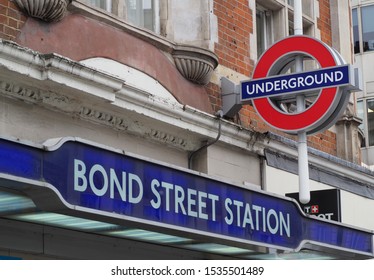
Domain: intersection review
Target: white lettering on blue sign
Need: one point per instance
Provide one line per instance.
(166, 196)
(192, 198)
(257, 218)
(130, 187)
(284, 84)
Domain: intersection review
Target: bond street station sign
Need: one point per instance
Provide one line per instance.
(103, 182)
(334, 79)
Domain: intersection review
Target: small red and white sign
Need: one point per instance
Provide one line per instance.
(314, 209)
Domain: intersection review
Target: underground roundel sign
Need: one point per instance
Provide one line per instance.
(274, 83)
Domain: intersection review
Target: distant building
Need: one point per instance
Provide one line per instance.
(363, 35)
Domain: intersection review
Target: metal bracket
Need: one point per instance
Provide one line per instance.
(231, 103)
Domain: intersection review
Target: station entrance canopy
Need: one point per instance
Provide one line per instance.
(82, 179)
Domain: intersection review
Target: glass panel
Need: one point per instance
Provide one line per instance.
(148, 14)
(355, 31)
(98, 3)
(307, 6)
(368, 28)
(360, 112)
(370, 120)
(140, 13)
(263, 29)
(132, 15)
(291, 29)
(307, 27)
(361, 115)
(261, 44)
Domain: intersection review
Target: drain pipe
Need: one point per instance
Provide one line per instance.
(219, 115)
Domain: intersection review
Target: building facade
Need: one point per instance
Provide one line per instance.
(144, 78)
(363, 37)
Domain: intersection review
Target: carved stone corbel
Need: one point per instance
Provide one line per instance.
(194, 63)
(46, 10)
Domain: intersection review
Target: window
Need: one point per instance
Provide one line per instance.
(360, 112)
(363, 29)
(307, 26)
(365, 111)
(367, 27)
(103, 4)
(370, 121)
(271, 16)
(356, 39)
(141, 13)
(307, 6)
(263, 29)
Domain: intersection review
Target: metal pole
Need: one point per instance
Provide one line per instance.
(298, 17)
(302, 145)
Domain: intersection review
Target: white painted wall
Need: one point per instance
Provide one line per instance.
(235, 165)
(189, 22)
(37, 124)
(130, 76)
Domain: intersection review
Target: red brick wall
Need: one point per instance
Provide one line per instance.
(11, 20)
(214, 93)
(235, 23)
(325, 142)
(324, 21)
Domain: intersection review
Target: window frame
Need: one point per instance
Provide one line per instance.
(282, 11)
(360, 49)
(369, 123)
(119, 9)
(265, 27)
(363, 29)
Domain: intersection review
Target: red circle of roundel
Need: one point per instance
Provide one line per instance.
(307, 119)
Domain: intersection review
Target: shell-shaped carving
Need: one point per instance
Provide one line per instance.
(47, 10)
(195, 64)
(196, 71)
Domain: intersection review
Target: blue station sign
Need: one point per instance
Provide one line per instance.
(98, 180)
(293, 83)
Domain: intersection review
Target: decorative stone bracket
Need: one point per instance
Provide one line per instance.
(47, 10)
(195, 64)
